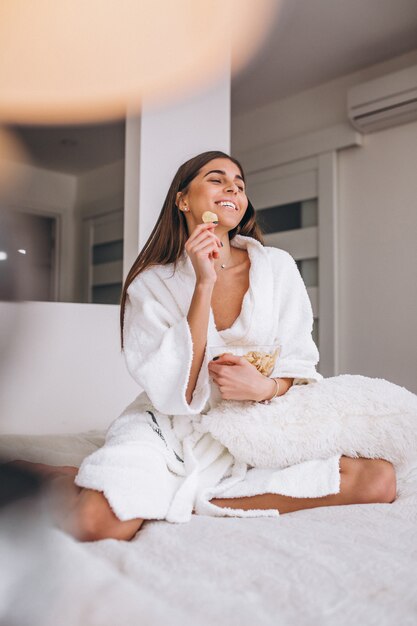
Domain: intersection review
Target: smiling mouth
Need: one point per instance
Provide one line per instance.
(227, 205)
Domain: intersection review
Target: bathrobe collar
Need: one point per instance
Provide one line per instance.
(255, 322)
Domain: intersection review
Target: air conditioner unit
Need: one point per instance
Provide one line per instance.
(384, 102)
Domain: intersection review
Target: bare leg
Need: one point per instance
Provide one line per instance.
(83, 513)
(43, 470)
(361, 481)
(86, 514)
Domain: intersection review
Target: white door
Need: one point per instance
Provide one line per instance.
(103, 236)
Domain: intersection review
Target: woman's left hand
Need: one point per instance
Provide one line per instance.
(238, 379)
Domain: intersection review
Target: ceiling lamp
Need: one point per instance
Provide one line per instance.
(64, 61)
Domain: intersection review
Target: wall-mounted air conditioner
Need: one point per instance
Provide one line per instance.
(384, 102)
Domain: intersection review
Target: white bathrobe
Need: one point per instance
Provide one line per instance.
(155, 464)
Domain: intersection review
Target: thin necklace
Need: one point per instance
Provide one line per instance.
(223, 266)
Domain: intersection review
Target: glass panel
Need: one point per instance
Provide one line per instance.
(309, 270)
(309, 213)
(280, 218)
(108, 252)
(107, 294)
(290, 216)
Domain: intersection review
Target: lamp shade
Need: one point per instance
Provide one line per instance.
(64, 61)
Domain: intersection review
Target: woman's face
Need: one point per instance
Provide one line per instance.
(219, 188)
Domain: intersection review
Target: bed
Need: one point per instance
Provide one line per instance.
(328, 565)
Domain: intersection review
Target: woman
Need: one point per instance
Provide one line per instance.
(196, 285)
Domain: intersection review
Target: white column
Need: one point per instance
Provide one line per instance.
(157, 143)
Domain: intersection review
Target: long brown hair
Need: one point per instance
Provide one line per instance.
(169, 235)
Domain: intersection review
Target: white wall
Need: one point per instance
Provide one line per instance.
(101, 189)
(61, 369)
(378, 256)
(320, 107)
(377, 191)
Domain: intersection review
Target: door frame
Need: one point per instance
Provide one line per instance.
(56, 257)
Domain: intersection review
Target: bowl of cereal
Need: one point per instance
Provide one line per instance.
(263, 357)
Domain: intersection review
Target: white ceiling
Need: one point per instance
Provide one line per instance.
(311, 42)
(74, 149)
(314, 41)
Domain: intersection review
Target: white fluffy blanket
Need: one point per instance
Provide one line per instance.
(351, 415)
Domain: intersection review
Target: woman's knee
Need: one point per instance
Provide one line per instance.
(373, 480)
(95, 520)
(383, 481)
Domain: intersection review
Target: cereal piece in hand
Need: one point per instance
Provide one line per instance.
(208, 216)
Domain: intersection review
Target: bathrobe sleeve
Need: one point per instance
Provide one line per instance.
(158, 347)
(298, 353)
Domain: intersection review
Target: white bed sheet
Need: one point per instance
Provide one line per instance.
(328, 565)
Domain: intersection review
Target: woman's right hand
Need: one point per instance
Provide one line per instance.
(203, 247)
